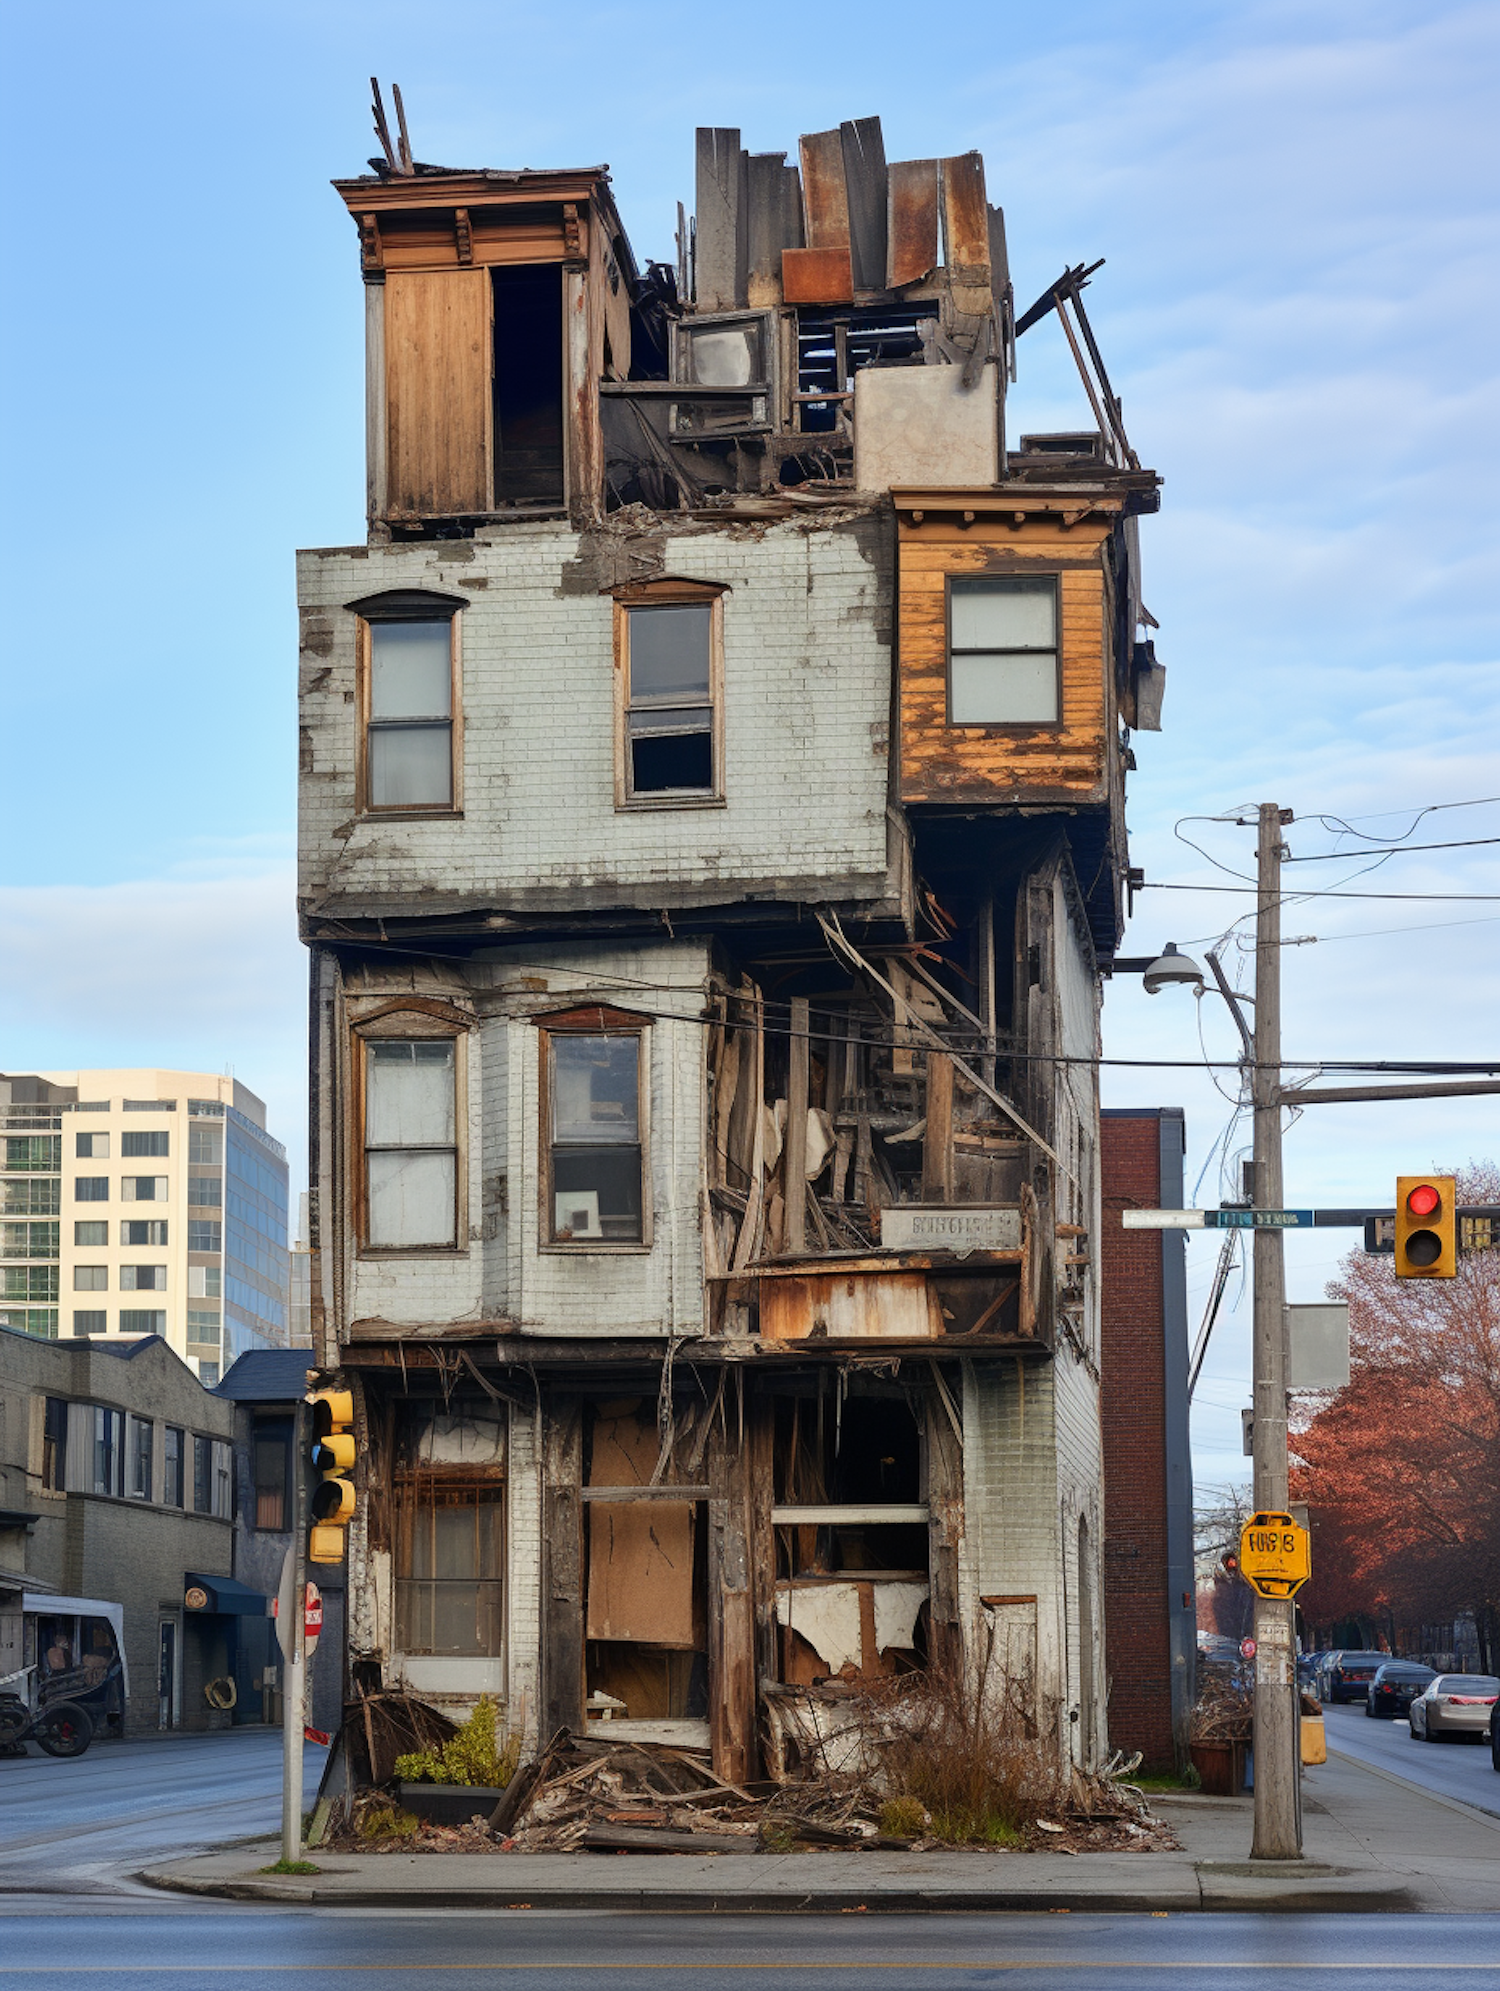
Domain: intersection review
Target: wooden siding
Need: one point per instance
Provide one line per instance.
(943, 763)
(439, 424)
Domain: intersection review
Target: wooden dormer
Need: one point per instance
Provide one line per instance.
(1011, 679)
(495, 303)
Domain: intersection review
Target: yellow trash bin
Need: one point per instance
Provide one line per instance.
(1314, 1739)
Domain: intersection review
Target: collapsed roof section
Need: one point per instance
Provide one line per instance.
(829, 330)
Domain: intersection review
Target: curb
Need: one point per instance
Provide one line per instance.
(1461, 1804)
(1205, 1892)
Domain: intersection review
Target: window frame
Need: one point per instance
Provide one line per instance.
(174, 1466)
(669, 594)
(407, 605)
(593, 1021)
(405, 1023)
(419, 1493)
(990, 575)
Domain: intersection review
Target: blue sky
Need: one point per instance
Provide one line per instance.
(1298, 207)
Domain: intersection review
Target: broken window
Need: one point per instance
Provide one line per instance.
(595, 1149)
(1002, 652)
(450, 1482)
(409, 706)
(411, 1149)
(669, 746)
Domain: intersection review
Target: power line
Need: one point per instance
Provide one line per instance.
(1391, 850)
(1291, 898)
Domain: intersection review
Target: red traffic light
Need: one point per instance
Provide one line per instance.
(1424, 1200)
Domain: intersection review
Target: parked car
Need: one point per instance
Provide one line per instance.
(1350, 1675)
(1454, 1704)
(1395, 1686)
(1495, 1736)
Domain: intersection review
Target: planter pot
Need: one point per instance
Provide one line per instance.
(448, 1804)
(1220, 1767)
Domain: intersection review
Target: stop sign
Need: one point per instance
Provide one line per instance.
(1247, 1648)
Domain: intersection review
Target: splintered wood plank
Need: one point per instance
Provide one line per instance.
(912, 221)
(825, 196)
(562, 1569)
(817, 276)
(437, 372)
(966, 221)
(722, 235)
(863, 148)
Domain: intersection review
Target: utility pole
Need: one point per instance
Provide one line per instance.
(294, 1651)
(1278, 1808)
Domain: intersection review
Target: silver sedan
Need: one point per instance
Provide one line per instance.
(1454, 1704)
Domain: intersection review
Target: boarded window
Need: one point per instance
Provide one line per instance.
(437, 346)
(1002, 652)
(411, 1155)
(595, 1153)
(670, 699)
(270, 1460)
(410, 724)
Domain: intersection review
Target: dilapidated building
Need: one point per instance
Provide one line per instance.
(712, 774)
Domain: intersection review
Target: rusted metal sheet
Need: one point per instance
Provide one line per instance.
(966, 221)
(722, 240)
(817, 276)
(825, 196)
(911, 221)
(863, 148)
(890, 1306)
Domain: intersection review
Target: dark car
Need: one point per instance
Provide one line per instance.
(1495, 1736)
(1395, 1686)
(1350, 1675)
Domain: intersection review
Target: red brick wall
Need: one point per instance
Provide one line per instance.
(1136, 1602)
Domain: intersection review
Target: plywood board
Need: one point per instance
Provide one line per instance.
(912, 423)
(437, 360)
(640, 1553)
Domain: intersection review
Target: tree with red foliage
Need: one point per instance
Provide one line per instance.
(1401, 1469)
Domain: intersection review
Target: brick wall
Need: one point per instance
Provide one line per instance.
(1142, 1638)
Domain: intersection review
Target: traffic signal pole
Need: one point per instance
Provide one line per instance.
(1278, 1808)
(293, 1699)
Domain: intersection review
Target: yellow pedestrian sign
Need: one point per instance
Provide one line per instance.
(1275, 1555)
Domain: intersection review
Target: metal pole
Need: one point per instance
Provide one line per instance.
(1278, 1833)
(293, 1709)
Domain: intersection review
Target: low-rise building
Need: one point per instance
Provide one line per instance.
(117, 1483)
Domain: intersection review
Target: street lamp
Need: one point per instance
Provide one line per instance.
(1170, 967)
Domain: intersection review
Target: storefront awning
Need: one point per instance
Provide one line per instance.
(222, 1596)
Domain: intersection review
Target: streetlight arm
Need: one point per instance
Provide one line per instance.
(1234, 1000)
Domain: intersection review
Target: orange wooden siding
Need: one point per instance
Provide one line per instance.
(943, 763)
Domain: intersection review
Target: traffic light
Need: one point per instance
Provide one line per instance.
(333, 1455)
(1426, 1227)
(1229, 1562)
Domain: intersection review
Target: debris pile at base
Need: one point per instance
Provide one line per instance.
(855, 1792)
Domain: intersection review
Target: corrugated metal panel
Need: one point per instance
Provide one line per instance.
(912, 221)
(863, 148)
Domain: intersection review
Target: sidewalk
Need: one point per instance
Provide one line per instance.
(1370, 1846)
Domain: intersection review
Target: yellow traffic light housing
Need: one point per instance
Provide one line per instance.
(1426, 1227)
(333, 1454)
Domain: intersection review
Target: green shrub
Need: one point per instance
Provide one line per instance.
(903, 1818)
(386, 1821)
(474, 1755)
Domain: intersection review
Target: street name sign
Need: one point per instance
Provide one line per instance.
(1275, 1555)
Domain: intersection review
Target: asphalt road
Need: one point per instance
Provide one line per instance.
(1457, 1769)
(82, 1824)
(235, 1949)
